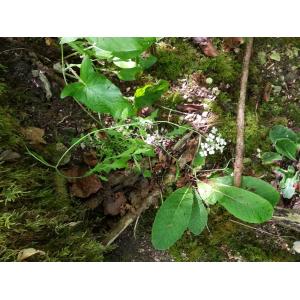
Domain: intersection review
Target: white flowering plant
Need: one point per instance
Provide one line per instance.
(212, 144)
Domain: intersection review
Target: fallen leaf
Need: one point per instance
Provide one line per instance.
(113, 205)
(190, 108)
(267, 91)
(231, 43)
(206, 46)
(34, 135)
(90, 158)
(26, 253)
(82, 187)
(275, 56)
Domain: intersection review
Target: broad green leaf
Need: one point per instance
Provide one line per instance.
(199, 215)
(280, 132)
(147, 62)
(207, 193)
(287, 148)
(270, 157)
(244, 205)
(129, 74)
(123, 47)
(254, 185)
(124, 64)
(148, 94)
(66, 40)
(172, 219)
(98, 93)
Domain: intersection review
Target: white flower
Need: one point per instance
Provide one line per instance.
(211, 152)
(214, 130)
(211, 136)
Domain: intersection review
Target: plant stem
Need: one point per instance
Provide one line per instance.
(238, 165)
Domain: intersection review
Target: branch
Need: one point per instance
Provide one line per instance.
(238, 165)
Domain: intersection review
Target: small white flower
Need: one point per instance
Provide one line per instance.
(211, 152)
(211, 136)
(214, 130)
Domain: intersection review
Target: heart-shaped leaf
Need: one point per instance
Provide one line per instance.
(98, 93)
(172, 219)
(281, 132)
(123, 47)
(270, 157)
(287, 148)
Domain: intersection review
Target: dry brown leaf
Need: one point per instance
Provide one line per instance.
(90, 158)
(267, 91)
(113, 205)
(232, 43)
(83, 187)
(206, 46)
(190, 108)
(34, 135)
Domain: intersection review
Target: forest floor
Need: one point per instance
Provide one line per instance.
(66, 221)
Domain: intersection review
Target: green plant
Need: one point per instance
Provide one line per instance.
(187, 207)
(286, 143)
(290, 179)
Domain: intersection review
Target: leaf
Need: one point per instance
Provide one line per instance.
(207, 193)
(129, 74)
(124, 64)
(254, 185)
(172, 219)
(34, 135)
(26, 253)
(199, 215)
(270, 157)
(85, 186)
(123, 47)
(287, 148)
(280, 132)
(66, 40)
(198, 161)
(275, 56)
(244, 205)
(148, 94)
(147, 62)
(98, 93)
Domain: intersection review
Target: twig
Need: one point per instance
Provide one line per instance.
(238, 166)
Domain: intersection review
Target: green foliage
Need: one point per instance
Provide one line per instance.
(98, 93)
(286, 143)
(172, 218)
(288, 182)
(150, 93)
(252, 203)
(199, 215)
(270, 157)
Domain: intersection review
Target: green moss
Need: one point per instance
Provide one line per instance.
(175, 58)
(228, 241)
(223, 68)
(9, 128)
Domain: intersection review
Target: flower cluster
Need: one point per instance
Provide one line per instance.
(213, 143)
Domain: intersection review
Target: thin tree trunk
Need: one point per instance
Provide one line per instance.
(238, 165)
